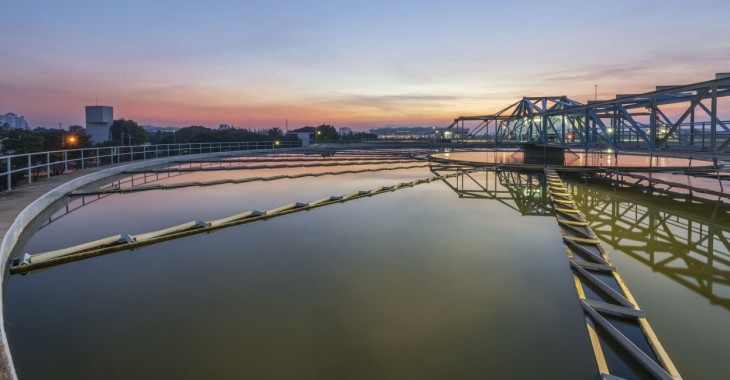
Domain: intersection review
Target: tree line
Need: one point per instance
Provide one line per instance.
(128, 132)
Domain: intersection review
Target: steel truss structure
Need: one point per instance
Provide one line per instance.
(686, 117)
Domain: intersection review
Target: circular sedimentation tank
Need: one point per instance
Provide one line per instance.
(345, 282)
(575, 161)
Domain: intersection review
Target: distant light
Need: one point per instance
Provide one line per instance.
(609, 150)
(609, 130)
(277, 142)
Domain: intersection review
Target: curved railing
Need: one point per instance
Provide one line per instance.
(31, 166)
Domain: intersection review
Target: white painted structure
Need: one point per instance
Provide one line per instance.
(99, 120)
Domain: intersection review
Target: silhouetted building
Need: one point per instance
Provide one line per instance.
(14, 121)
(416, 133)
(99, 120)
(345, 131)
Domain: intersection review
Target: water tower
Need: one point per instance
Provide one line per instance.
(99, 120)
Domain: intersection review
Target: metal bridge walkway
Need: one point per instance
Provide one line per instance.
(624, 343)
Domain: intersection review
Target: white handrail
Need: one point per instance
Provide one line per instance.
(33, 165)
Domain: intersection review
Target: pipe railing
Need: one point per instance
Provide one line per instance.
(13, 168)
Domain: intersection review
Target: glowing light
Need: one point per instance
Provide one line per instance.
(609, 130)
(276, 142)
(70, 141)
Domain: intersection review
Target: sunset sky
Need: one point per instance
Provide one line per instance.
(357, 64)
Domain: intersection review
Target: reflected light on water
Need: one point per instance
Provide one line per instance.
(575, 159)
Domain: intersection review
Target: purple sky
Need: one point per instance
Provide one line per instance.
(354, 64)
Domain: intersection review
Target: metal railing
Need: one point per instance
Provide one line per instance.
(15, 168)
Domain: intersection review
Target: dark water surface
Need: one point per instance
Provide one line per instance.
(413, 284)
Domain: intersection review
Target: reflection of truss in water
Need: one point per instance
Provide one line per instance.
(128, 180)
(687, 242)
(71, 204)
(524, 192)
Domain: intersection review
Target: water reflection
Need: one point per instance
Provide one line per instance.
(361, 290)
(577, 159)
(685, 241)
(648, 231)
(524, 192)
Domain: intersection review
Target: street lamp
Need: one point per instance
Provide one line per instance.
(68, 140)
(318, 134)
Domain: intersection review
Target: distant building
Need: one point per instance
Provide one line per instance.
(414, 133)
(14, 121)
(306, 134)
(224, 127)
(99, 120)
(400, 133)
(153, 129)
(344, 131)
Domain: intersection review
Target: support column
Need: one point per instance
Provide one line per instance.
(652, 124)
(713, 120)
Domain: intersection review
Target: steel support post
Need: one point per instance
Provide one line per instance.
(713, 120)
(652, 124)
(543, 130)
(692, 127)
(587, 126)
(9, 176)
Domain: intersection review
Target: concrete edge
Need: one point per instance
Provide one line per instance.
(30, 212)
